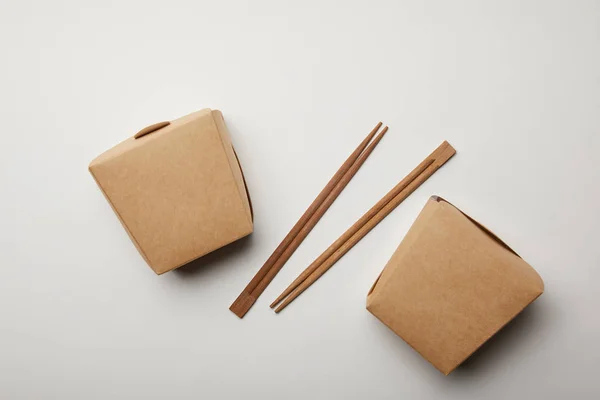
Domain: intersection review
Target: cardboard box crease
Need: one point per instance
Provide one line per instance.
(227, 148)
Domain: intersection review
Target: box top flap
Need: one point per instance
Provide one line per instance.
(149, 133)
(478, 224)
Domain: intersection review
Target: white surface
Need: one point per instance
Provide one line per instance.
(513, 85)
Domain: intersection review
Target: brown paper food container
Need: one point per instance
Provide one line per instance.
(451, 285)
(177, 188)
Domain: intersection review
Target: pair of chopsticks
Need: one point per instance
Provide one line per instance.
(306, 223)
(364, 225)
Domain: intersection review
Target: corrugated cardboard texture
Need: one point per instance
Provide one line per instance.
(451, 285)
(178, 191)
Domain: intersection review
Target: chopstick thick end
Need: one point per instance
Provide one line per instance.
(446, 152)
(242, 304)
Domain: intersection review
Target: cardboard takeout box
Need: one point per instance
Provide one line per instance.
(451, 285)
(177, 188)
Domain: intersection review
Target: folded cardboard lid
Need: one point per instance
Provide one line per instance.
(177, 188)
(450, 285)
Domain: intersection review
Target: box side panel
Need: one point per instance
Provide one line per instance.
(137, 246)
(389, 270)
(387, 323)
(234, 163)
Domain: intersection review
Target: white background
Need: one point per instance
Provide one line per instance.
(514, 86)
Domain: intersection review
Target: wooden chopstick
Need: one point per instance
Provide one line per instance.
(324, 207)
(305, 224)
(353, 229)
(365, 224)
